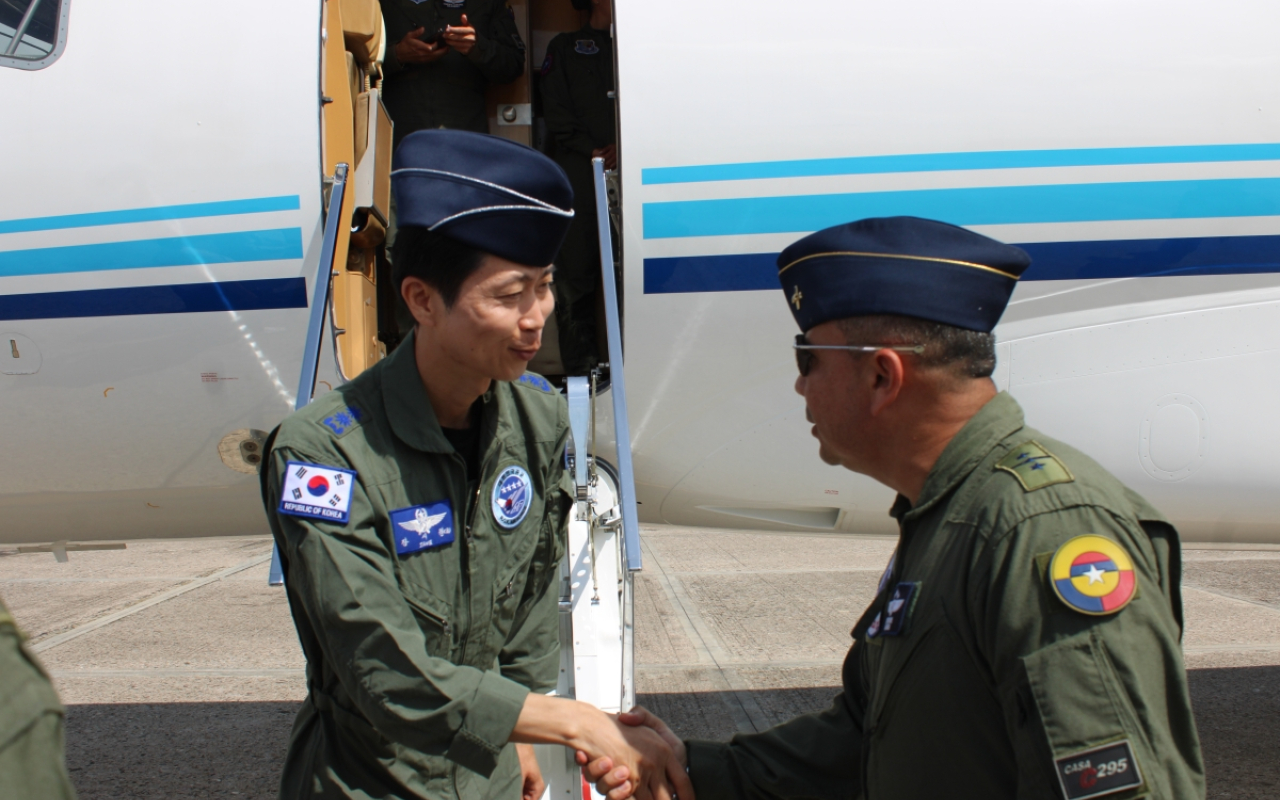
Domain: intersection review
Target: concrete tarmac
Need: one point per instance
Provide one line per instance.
(181, 671)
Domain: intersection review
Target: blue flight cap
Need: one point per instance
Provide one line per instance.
(491, 193)
(906, 266)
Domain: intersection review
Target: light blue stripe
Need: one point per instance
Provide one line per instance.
(1087, 202)
(215, 248)
(257, 205)
(942, 162)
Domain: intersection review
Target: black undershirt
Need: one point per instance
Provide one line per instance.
(467, 442)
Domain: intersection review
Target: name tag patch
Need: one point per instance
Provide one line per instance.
(893, 620)
(317, 491)
(422, 527)
(1097, 772)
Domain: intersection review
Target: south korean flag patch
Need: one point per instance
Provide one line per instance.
(317, 491)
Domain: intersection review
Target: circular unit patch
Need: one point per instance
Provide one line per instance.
(318, 486)
(1093, 575)
(512, 496)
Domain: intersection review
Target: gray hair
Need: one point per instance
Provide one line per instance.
(966, 353)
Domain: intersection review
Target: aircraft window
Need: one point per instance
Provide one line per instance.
(32, 32)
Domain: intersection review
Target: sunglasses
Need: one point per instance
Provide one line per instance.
(805, 355)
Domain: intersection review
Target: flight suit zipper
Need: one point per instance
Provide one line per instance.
(474, 504)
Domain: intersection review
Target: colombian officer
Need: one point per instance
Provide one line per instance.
(441, 83)
(1024, 641)
(32, 765)
(577, 83)
(420, 510)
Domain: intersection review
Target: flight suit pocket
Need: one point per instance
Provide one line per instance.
(436, 626)
(1071, 692)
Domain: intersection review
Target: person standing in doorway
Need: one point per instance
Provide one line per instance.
(578, 85)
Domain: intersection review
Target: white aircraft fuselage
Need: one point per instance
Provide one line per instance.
(162, 211)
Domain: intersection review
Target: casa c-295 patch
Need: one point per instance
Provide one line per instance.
(1098, 771)
(1092, 575)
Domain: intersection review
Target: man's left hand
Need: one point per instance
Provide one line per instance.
(460, 37)
(534, 785)
(609, 153)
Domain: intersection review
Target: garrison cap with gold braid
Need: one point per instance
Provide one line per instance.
(491, 193)
(900, 265)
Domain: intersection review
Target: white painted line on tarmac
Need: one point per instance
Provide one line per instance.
(89, 627)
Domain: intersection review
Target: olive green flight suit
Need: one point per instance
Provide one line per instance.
(992, 684)
(418, 664)
(450, 92)
(32, 763)
(577, 77)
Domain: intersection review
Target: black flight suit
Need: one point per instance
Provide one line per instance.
(577, 78)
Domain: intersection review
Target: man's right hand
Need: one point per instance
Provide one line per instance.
(412, 50)
(614, 781)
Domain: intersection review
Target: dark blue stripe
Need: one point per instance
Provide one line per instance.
(179, 251)
(1051, 261)
(257, 205)
(940, 162)
(182, 298)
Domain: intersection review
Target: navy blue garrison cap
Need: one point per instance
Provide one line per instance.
(900, 265)
(491, 193)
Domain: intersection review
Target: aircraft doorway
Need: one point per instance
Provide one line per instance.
(565, 106)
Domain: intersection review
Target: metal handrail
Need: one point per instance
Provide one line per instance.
(315, 324)
(320, 290)
(621, 424)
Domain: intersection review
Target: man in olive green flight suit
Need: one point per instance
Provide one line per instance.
(1024, 640)
(420, 510)
(441, 84)
(32, 764)
(577, 81)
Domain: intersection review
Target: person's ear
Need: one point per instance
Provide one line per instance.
(424, 302)
(887, 375)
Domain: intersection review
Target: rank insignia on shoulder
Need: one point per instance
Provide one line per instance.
(1035, 467)
(537, 382)
(343, 420)
(422, 527)
(1098, 771)
(317, 491)
(587, 47)
(1093, 575)
(892, 621)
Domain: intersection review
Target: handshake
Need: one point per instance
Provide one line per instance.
(618, 781)
(633, 754)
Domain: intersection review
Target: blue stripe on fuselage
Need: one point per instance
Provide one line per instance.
(1130, 258)
(988, 205)
(186, 298)
(179, 251)
(257, 205)
(944, 162)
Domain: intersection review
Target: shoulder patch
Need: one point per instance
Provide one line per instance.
(1093, 575)
(537, 382)
(343, 421)
(546, 63)
(1035, 467)
(317, 491)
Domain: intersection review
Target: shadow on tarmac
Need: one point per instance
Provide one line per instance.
(188, 750)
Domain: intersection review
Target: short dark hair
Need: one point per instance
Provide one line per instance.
(443, 263)
(966, 353)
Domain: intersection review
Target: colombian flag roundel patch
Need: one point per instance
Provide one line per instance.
(1093, 575)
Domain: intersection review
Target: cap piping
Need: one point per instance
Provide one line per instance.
(480, 182)
(903, 257)
(550, 210)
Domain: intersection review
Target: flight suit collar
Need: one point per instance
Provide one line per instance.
(409, 410)
(995, 421)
